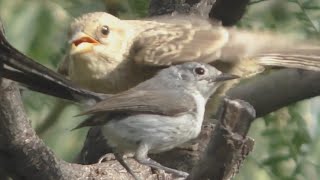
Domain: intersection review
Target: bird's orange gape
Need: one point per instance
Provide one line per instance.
(84, 40)
(82, 43)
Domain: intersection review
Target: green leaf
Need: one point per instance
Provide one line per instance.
(272, 160)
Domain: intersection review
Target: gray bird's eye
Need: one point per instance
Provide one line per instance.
(199, 70)
(105, 30)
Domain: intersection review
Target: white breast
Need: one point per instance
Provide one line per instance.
(200, 103)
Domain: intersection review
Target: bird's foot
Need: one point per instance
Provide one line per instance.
(110, 157)
(106, 157)
(153, 164)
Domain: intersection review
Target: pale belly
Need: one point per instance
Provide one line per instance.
(127, 134)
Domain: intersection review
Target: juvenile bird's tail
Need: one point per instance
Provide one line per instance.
(272, 49)
(308, 59)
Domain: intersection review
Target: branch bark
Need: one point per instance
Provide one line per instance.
(160, 7)
(229, 145)
(280, 88)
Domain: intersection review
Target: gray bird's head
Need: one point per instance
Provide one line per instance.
(191, 76)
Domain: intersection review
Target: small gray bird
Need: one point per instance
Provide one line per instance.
(158, 114)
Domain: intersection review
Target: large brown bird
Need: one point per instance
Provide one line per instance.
(110, 55)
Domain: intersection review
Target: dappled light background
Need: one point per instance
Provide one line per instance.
(287, 141)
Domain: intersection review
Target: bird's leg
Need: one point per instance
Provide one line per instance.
(119, 158)
(151, 163)
(142, 157)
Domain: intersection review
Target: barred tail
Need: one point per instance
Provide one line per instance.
(307, 59)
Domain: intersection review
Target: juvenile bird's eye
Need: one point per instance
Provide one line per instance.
(199, 70)
(105, 30)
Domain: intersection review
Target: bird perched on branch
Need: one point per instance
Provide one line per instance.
(110, 55)
(158, 114)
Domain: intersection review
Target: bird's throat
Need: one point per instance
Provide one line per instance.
(104, 76)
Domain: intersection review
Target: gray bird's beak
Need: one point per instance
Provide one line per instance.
(224, 77)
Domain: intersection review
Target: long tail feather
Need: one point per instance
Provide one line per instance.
(308, 59)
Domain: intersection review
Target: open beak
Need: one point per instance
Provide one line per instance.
(82, 43)
(225, 77)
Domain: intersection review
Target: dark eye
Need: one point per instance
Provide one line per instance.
(199, 70)
(105, 30)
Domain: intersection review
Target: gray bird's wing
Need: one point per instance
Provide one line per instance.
(170, 103)
(168, 42)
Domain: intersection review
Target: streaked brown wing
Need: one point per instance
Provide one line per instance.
(169, 103)
(174, 43)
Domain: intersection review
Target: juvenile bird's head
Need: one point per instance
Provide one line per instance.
(94, 31)
(99, 42)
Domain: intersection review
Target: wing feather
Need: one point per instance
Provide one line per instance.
(172, 42)
(169, 103)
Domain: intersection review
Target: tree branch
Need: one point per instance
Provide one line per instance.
(25, 155)
(280, 88)
(229, 145)
(229, 12)
(160, 7)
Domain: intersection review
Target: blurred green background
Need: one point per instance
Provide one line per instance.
(287, 141)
